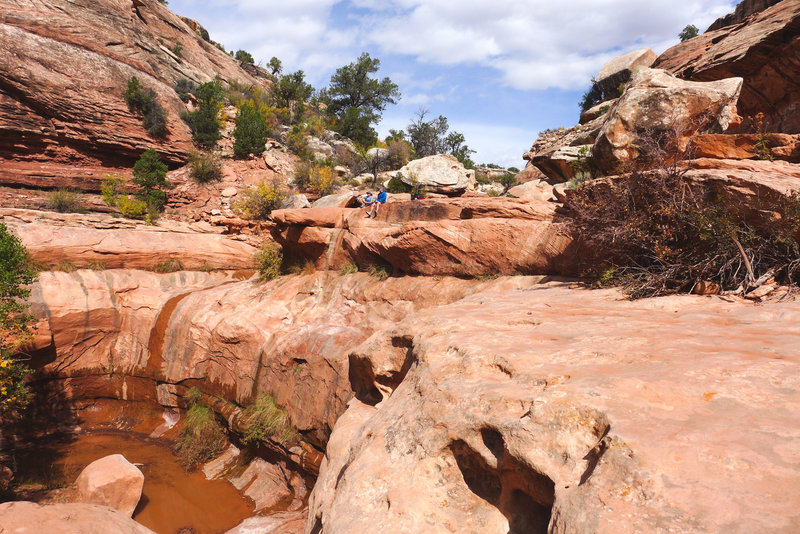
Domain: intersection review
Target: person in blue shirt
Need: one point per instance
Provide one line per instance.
(369, 200)
(381, 199)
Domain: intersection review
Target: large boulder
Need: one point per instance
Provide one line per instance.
(620, 69)
(111, 481)
(533, 190)
(657, 103)
(764, 49)
(441, 173)
(22, 517)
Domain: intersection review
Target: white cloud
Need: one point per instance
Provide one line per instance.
(535, 45)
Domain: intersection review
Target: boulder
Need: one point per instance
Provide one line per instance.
(550, 142)
(559, 163)
(340, 200)
(597, 110)
(379, 153)
(22, 517)
(319, 149)
(277, 523)
(620, 69)
(763, 49)
(656, 102)
(533, 190)
(294, 202)
(529, 173)
(442, 173)
(744, 146)
(111, 481)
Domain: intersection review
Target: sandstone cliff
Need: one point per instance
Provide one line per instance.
(63, 74)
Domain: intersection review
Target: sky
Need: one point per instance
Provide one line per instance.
(499, 70)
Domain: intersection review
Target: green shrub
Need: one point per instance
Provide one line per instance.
(111, 188)
(576, 181)
(689, 32)
(177, 49)
(63, 201)
(15, 277)
(265, 420)
(396, 185)
(184, 88)
(205, 167)
(169, 266)
(132, 208)
(258, 202)
(508, 181)
(349, 268)
(268, 261)
(149, 173)
(251, 131)
(378, 272)
(203, 121)
(244, 57)
(202, 438)
(145, 102)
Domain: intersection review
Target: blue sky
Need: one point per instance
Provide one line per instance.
(499, 70)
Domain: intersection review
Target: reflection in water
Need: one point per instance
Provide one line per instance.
(172, 500)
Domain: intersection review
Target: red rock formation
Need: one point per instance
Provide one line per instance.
(102, 241)
(764, 49)
(30, 517)
(743, 10)
(559, 410)
(63, 74)
(465, 236)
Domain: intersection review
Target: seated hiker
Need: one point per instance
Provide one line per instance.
(369, 200)
(381, 199)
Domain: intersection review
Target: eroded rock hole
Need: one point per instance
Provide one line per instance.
(522, 494)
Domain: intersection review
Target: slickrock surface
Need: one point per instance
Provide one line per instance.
(458, 236)
(83, 240)
(764, 49)
(508, 410)
(30, 518)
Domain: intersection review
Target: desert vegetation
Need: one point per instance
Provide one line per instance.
(144, 101)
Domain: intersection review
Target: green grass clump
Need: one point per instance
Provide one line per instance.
(349, 268)
(203, 437)
(265, 420)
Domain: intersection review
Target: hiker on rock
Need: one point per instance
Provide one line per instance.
(381, 199)
(369, 200)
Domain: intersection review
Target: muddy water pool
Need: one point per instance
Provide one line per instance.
(173, 501)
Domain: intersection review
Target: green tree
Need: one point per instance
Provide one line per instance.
(291, 91)
(357, 99)
(150, 174)
(244, 56)
(275, 66)
(203, 121)
(145, 102)
(14, 323)
(689, 32)
(429, 137)
(251, 131)
(456, 145)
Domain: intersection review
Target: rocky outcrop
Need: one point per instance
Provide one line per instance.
(655, 103)
(537, 190)
(102, 241)
(467, 236)
(619, 70)
(563, 413)
(553, 150)
(764, 50)
(63, 119)
(784, 147)
(111, 481)
(442, 173)
(30, 518)
(744, 10)
(279, 523)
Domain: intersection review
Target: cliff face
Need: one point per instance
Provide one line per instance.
(743, 10)
(63, 74)
(764, 49)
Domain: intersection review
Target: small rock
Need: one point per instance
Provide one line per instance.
(216, 212)
(229, 192)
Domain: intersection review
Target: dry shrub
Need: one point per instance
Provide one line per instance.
(203, 437)
(655, 232)
(258, 202)
(205, 167)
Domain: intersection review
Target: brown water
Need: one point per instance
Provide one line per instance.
(172, 500)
